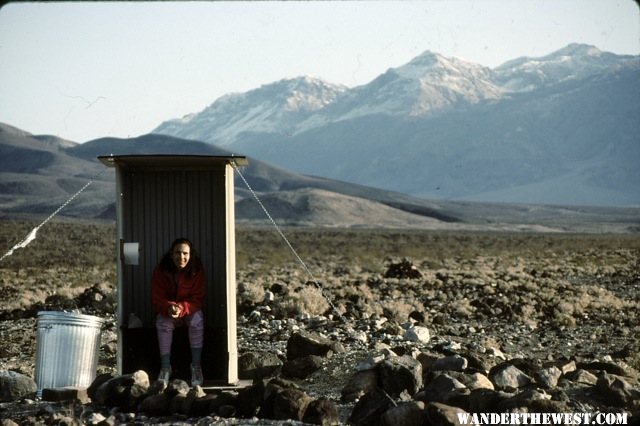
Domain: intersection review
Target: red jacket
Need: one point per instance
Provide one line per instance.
(188, 292)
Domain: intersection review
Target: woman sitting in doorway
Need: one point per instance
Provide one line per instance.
(177, 292)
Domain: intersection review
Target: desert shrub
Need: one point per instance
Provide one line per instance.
(250, 293)
(286, 308)
(308, 300)
(398, 310)
(527, 315)
(463, 308)
(313, 301)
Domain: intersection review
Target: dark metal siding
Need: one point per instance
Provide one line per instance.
(159, 206)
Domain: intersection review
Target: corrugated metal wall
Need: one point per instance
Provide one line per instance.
(159, 206)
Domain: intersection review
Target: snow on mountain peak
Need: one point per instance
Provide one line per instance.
(431, 64)
(574, 61)
(427, 84)
(576, 49)
(272, 108)
(310, 94)
(443, 81)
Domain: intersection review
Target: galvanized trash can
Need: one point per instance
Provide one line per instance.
(66, 349)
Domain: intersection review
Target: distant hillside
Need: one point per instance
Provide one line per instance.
(44, 172)
(559, 129)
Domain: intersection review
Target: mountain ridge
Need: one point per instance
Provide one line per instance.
(292, 199)
(446, 128)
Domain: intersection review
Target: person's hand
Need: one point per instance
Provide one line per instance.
(175, 311)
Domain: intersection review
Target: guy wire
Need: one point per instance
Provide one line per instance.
(295, 253)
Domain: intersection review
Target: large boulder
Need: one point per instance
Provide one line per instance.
(409, 413)
(258, 364)
(303, 367)
(125, 391)
(508, 377)
(303, 343)
(398, 374)
(616, 390)
(14, 385)
(290, 403)
(322, 411)
(370, 408)
(360, 383)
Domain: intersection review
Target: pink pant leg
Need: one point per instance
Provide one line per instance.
(195, 322)
(164, 327)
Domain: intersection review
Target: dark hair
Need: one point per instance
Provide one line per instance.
(192, 267)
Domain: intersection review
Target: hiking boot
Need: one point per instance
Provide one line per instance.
(164, 375)
(196, 375)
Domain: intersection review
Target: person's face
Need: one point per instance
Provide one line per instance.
(181, 255)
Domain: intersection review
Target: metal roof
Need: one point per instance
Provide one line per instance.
(170, 161)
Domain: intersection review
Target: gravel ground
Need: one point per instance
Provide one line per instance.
(539, 297)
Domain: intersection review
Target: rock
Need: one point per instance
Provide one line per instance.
(548, 377)
(66, 394)
(402, 269)
(250, 399)
(216, 401)
(271, 390)
(481, 363)
(426, 360)
(370, 362)
(438, 414)
(97, 300)
(440, 389)
(206, 405)
(582, 376)
(608, 367)
(508, 377)
(370, 408)
(303, 367)
(177, 387)
(450, 363)
(322, 411)
(566, 366)
(269, 297)
(473, 381)
(521, 400)
(258, 364)
(124, 391)
(417, 334)
(486, 400)
(156, 405)
(97, 382)
(227, 411)
(615, 390)
(360, 383)
(95, 419)
(303, 343)
(180, 404)
(14, 385)
(290, 403)
(205, 421)
(62, 420)
(410, 413)
(398, 374)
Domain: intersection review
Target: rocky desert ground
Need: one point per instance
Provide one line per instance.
(419, 323)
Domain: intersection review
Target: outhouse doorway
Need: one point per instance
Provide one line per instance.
(160, 198)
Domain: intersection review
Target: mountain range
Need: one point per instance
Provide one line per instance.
(559, 129)
(38, 173)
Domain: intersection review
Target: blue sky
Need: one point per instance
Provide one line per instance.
(87, 70)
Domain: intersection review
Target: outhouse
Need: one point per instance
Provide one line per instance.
(160, 198)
